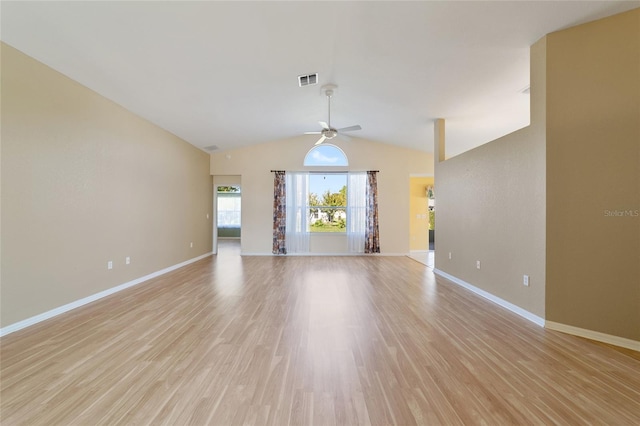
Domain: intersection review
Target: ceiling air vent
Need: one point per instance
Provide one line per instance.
(307, 80)
(211, 148)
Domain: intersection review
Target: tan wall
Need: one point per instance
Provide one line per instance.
(491, 208)
(418, 213)
(84, 181)
(593, 165)
(254, 163)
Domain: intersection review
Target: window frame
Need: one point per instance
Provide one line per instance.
(344, 208)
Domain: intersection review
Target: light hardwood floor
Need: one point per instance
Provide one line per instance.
(308, 340)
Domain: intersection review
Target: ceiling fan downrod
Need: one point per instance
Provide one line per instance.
(329, 93)
(329, 132)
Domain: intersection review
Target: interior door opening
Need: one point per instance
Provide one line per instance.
(229, 217)
(422, 219)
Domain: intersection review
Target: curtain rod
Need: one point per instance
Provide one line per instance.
(325, 173)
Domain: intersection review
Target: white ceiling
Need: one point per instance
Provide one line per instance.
(225, 73)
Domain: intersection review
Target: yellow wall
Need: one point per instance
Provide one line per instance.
(593, 166)
(254, 165)
(418, 215)
(85, 181)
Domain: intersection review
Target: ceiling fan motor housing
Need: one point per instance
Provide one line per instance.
(329, 133)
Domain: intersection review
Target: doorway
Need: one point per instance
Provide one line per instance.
(421, 219)
(227, 220)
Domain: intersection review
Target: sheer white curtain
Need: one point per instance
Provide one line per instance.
(356, 211)
(297, 230)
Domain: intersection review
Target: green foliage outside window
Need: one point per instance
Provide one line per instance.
(228, 189)
(329, 205)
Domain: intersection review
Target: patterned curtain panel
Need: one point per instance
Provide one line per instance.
(279, 213)
(372, 233)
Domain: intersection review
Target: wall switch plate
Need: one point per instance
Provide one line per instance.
(110, 264)
(127, 260)
(191, 245)
(525, 280)
(477, 264)
(449, 255)
(207, 215)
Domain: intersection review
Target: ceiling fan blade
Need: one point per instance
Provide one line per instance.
(320, 140)
(312, 133)
(323, 124)
(350, 128)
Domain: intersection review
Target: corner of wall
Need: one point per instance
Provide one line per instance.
(491, 207)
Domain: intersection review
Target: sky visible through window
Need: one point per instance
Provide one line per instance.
(319, 183)
(325, 155)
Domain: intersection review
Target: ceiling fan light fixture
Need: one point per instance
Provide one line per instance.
(330, 133)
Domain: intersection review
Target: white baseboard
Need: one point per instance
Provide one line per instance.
(418, 251)
(69, 306)
(385, 254)
(325, 254)
(594, 335)
(495, 299)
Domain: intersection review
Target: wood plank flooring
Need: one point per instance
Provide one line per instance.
(308, 340)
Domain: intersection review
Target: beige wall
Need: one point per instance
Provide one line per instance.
(84, 181)
(255, 163)
(491, 208)
(593, 165)
(539, 201)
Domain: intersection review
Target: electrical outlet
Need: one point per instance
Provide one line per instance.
(449, 255)
(477, 264)
(127, 260)
(525, 280)
(110, 264)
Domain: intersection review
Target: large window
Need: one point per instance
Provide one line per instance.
(327, 202)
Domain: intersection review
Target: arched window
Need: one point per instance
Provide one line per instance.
(326, 155)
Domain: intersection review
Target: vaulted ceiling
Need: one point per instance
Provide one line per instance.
(225, 73)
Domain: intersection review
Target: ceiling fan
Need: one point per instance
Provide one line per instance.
(327, 131)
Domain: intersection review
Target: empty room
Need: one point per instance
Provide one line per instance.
(320, 213)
